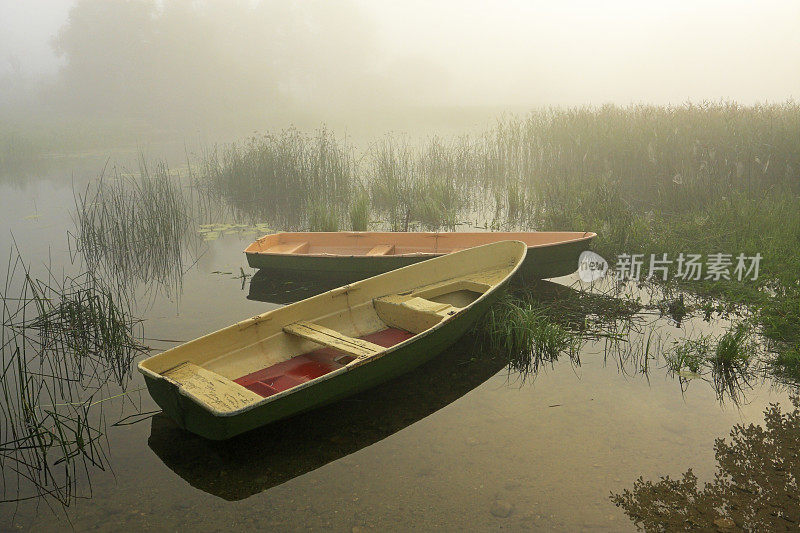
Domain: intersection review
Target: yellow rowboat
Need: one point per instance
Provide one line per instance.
(294, 444)
(362, 254)
(327, 347)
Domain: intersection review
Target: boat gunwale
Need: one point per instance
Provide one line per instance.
(586, 236)
(346, 368)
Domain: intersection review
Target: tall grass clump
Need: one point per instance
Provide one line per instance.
(427, 185)
(65, 345)
(359, 211)
(392, 176)
(787, 363)
(515, 201)
(276, 177)
(322, 216)
(444, 175)
(135, 227)
(690, 354)
(731, 361)
(725, 361)
(735, 346)
(523, 332)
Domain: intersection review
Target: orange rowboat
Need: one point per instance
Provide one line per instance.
(550, 253)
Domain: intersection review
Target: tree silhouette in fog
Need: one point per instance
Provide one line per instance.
(755, 486)
(175, 59)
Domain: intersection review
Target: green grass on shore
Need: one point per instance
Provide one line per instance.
(692, 179)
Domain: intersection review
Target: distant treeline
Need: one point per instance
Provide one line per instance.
(180, 61)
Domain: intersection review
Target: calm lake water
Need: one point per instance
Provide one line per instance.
(460, 444)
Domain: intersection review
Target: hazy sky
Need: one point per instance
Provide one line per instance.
(539, 53)
(26, 28)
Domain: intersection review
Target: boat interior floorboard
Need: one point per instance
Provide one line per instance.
(305, 367)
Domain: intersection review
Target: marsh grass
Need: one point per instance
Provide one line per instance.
(735, 347)
(633, 344)
(515, 202)
(391, 180)
(731, 361)
(540, 323)
(697, 178)
(83, 320)
(322, 216)
(135, 227)
(428, 185)
(590, 312)
(786, 363)
(728, 361)
(523, 332)
(780, 315)
(689, 354)
(63, 344)
(359, 211)
(277, 177)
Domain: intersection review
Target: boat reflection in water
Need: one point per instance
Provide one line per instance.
(271, 455)
(284, 287)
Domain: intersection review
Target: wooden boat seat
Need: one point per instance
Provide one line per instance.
(210, 388)
(412, 314)
(288, 248)
(437, 289)
(333, 339)
(425, 306)
(416, 310)
(382, 249)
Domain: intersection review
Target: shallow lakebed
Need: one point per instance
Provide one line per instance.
(461, 443)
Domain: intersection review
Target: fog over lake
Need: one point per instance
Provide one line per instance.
(246, 63)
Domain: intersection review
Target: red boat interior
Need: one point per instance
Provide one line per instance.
(287, 374)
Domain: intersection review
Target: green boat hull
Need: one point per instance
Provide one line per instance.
(193, 417)
(540, 262)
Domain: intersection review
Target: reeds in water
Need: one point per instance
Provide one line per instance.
(786, 363)
(731, 361)
(322, 216)
(524, 333)
(647, 179)
(689, 355)
(64, 343)
(427, 185)
(135, 227)
(359, 211)
(726, 361)
(278, 177)
(85, 320)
